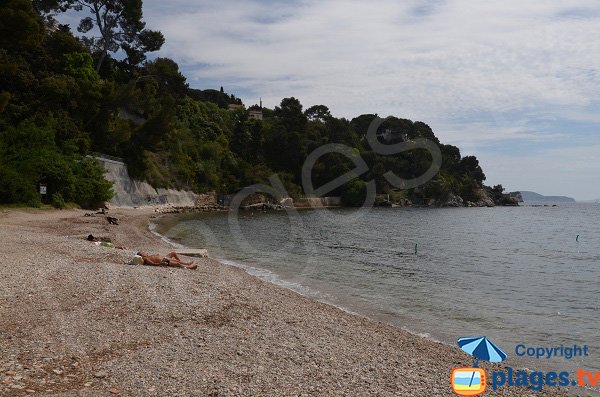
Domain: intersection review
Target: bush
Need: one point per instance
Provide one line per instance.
(34, 202)
(58, 201)
(354, 193)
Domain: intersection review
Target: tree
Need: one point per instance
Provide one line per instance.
(19, 25)
(290, 114)
(469, 165)
(362, 122)
(318, 113)
(354, 193)
(118, 23)
(166, 72)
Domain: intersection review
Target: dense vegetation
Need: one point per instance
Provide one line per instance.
(62, 97)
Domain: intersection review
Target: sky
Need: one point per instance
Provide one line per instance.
(515, 83)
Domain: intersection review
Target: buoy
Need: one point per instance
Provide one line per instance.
(577, 238)
(416, 248)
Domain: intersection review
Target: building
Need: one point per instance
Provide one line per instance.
(255, 114)
(235, 106)
(255, 111)
(390, 136)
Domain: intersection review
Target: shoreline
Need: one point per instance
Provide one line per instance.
(76, 321)
(273, 278)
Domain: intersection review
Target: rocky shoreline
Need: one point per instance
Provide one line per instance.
(76, 320)
(209, 202)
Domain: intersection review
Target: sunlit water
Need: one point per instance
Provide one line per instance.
(516, 275)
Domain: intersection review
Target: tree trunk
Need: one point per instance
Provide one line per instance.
(100, 61)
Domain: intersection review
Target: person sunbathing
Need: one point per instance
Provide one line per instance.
(171, 259)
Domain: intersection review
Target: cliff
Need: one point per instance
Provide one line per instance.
(132, 193)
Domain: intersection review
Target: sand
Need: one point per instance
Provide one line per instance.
(75, 320)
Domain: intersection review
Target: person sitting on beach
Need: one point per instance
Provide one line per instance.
(171, 259)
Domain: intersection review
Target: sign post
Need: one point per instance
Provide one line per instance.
(44, 191)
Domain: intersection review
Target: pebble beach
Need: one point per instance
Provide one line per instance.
(77, 320)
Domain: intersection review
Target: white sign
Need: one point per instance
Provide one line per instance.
(43, 189)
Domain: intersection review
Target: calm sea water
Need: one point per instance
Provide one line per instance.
(516, 275)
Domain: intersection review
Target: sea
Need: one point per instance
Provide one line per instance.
(521, 276)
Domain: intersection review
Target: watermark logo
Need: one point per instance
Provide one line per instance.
(468, 381)
(472, 381)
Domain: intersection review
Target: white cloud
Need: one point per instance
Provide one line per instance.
(383, 56)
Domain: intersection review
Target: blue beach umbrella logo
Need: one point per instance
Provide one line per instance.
(481, 348)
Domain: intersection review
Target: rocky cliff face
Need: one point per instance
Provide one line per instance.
(485, 200)
(132, 193)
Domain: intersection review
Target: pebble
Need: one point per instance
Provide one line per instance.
(300, 345)
(57, 371)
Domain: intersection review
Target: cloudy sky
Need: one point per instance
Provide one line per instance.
(514, 82)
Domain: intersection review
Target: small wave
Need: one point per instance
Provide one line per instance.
(269, 276)
(152, 229)
(273, 278)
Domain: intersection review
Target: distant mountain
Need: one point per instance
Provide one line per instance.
(536, 197)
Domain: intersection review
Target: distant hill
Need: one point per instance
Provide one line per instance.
(536, 197)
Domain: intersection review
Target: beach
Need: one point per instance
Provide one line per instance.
(76, 320)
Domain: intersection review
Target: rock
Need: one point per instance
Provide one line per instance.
(383, 203)
(87, 384)
(30, 391)
(100, 374)
(507, 200)
(452, 201)
(484, 200)
(10, 373)
(287, 202)
(115, 390)
(57, 371)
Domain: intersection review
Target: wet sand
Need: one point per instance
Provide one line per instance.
(75, 320)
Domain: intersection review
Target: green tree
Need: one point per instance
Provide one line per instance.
(166, 72)
(469, 165)
(318, 113)
(118, 24)
(290, 114)
(354, 193)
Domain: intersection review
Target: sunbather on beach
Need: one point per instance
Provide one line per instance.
(171, 259)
